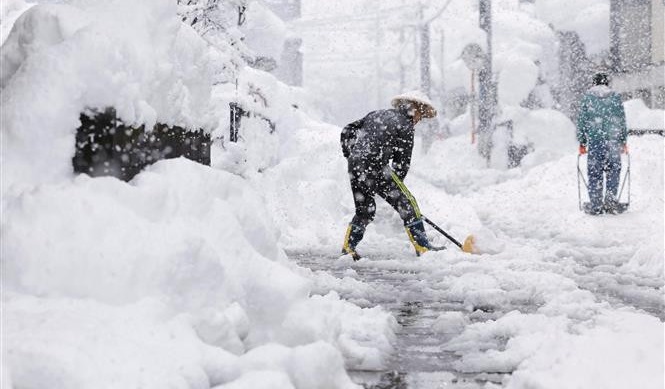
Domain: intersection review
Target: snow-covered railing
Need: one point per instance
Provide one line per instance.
(105, 146)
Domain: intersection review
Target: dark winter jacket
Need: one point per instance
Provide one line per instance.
(602, 117)
(372, 142)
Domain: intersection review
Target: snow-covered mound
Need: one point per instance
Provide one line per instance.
(60, 59)
(10, 10)
(174, 279)
(639, 116)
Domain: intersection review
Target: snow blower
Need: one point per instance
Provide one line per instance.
(621, 206)
(467, 246)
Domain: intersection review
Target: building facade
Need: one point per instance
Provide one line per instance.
(637, 56)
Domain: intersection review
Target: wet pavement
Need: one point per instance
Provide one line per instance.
(416, 300)
(420, 360)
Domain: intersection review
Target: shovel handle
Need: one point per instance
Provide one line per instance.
(431, 223)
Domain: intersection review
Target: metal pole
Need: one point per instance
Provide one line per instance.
(378, 66)
(441, 89)
(615, 36)
(472, 106)
(424, 55)
(486, 89)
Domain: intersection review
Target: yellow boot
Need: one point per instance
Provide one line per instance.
(353, 236)
(418, 238)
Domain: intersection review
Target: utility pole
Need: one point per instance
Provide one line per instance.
(402, 68)
(378, 66)
(486, 88)
(442, 88)
(425, 80)
(425, 66)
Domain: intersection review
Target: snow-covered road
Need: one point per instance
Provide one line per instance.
(428, 319)
(420, 359)
(554, 291)
(618, 258)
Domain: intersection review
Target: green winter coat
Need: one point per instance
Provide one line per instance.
(601, 117)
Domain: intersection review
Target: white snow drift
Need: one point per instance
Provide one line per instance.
(175, 279)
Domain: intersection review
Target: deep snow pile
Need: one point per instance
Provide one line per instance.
(174, 279)
(62, 59)
(9, 12)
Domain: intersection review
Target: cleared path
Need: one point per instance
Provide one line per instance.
(420, 360)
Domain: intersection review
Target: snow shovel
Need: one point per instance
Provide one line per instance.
(467, 246)
(621, 206)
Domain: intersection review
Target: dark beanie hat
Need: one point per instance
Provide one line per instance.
(601, 79)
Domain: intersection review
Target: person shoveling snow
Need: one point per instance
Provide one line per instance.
(378, 150)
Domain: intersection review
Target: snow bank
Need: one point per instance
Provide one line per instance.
(150, 68)
(639, 116)
(10, 10)
(67, 343)
(317, 366)
(628, 345)
(166, 240)
(176, 278)
(309, 189)
(615, 350)
(364, 345)
(59, 344)
(195, 240)
(549, 134)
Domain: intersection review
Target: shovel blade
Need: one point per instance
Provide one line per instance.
(469, 245)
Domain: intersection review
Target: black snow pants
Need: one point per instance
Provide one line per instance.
(366, 182)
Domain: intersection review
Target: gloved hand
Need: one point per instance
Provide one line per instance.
(624, 150)
(582, 149)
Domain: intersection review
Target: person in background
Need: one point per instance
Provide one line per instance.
(602, 132)
(378, 151)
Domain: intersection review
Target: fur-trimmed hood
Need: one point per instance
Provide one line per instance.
(419, 98)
